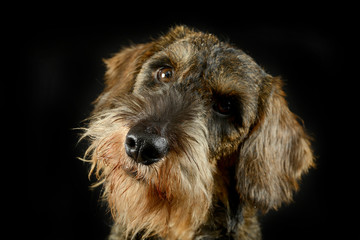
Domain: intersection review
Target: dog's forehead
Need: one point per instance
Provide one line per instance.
(219, 63)
(203, 61)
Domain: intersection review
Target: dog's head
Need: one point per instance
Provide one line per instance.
(181, 114)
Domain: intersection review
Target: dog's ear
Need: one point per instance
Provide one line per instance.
(275, 154)
(121, 72)
(123, 67)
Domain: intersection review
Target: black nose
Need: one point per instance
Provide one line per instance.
(144, 145)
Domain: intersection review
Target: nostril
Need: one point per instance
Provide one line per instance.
(130, 142)
(131, 147)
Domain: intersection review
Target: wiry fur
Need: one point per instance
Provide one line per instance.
(162, 196)
(219, 169)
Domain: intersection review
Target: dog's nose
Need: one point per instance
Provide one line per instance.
(144, 146)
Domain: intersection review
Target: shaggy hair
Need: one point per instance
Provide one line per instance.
(234, 147)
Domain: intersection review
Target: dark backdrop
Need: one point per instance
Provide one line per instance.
(64, 73)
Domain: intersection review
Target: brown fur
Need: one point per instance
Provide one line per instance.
(220, 167)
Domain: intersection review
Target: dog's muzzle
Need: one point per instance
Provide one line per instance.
(145, 145)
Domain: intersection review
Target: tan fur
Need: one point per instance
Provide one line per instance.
(149, 201)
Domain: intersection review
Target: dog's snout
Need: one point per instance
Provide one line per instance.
(144, 146)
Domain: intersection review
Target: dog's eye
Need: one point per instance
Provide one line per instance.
(164, 74)
(224, 107)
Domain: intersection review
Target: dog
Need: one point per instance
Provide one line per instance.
(191, 139)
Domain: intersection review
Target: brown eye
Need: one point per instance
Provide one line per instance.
(224, 107)
(164, 74)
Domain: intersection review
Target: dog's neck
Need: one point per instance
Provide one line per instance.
(229, 217)
(226, 203)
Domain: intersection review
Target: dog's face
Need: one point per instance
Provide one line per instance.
(186, 122)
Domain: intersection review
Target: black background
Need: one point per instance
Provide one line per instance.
(64, 72)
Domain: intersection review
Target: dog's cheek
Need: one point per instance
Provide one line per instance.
(106, 135)
(111, 151)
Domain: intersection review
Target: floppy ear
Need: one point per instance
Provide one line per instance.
(122, 70)
(275, 154)
(123, 67)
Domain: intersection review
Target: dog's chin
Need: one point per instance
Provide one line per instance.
(138, 171)
(130, 171)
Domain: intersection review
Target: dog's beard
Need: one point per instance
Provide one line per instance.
(170, 198)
